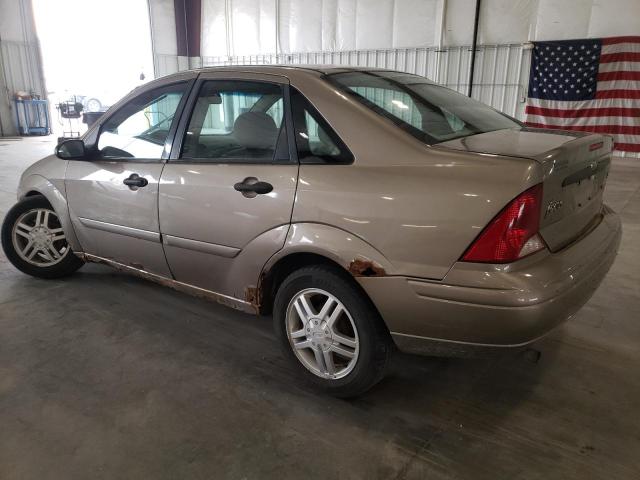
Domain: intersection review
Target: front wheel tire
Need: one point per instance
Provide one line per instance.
(34, 242)
(331, 331)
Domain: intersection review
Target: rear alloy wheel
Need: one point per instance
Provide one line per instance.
(331, 331)
(322, 333)
(34, 241)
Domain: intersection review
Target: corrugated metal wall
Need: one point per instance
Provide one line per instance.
(501, 74)
(417, 36)
(20, 63)
(20, 72)
(19, 59)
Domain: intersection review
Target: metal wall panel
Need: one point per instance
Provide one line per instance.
(501, 76)
(414, 23)
(20, 72)
(20, 65)
(500, 79)
(405, 35)
(234, 27)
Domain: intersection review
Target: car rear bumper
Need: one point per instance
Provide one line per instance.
(495, 305)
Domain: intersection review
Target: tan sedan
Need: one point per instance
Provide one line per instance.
(365, 209)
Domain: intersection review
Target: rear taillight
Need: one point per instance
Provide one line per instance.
(512, 234)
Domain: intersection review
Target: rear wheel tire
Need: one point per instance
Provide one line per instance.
(331, 331)
(34, 242)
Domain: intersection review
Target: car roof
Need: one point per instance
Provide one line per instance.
(284, 68)
(291, 72)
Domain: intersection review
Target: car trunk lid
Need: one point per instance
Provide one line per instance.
(575, 167)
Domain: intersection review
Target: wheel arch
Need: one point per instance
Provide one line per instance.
(38, 185)
(333, 247)
(33, 193)
(272, 278)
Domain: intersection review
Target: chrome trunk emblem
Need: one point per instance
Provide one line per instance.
(554, 206)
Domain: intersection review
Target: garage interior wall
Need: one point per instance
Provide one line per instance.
(427, 37)
(20, 60)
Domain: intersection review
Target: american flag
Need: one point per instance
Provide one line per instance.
(590, 85)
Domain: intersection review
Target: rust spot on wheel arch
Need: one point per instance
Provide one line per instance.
(252, 295)
(255, 294)
(361, 267)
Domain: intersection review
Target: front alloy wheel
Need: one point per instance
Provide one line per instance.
(34, 241)
(38, 238)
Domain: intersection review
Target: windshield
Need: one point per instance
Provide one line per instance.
(429, 112)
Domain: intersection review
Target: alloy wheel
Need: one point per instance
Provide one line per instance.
(38, 238)
(322, 333)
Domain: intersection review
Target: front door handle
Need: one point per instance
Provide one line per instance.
(251, 186)
(135, 180)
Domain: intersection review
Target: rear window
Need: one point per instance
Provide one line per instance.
(429, 112)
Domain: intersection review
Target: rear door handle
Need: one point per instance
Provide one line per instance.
(135, 180)
(251, 186)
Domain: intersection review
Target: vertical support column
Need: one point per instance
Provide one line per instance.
(188, 15)
(441, 13)
(6, 124)
(473, 47)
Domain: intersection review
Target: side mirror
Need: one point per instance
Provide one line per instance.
(71, 150)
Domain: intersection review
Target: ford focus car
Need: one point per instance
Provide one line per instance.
(367, 210)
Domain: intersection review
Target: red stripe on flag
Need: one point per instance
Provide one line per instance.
(584, 112)
(620, 57)
(608, 129)
(609, 76)
(614, 40)
(627, 147)
(631, 94)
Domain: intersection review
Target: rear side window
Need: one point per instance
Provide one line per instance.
(237, 122)
(316, 141)
(429, 112)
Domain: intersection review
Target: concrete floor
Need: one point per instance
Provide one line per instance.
(107, 376)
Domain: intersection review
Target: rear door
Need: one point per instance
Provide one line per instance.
(227, 192)
(113, 195)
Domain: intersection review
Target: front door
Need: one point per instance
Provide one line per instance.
(113, 196)
(227, 192)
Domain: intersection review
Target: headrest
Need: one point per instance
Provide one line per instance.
(255, 130)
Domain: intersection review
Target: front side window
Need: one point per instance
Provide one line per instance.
(430, 112)
(140, 128)
(237, 121)
(315, 139)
